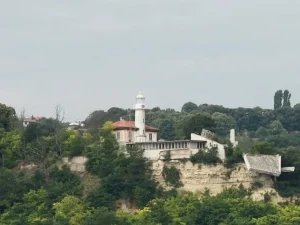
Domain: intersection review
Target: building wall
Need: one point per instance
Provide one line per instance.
(154, 136)
(211, 144)
(124, 136)
(175, 154)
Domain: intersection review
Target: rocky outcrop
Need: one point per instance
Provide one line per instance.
(76, 164)
(197, 178)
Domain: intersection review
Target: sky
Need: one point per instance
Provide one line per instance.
(97, 54)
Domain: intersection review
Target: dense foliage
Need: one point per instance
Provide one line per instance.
(208, 156)
(49, 193)
(122, 177)
(192, 118)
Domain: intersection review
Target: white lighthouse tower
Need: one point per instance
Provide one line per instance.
(140, 118)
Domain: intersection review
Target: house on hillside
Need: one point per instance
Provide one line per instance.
(128, 132)
(30, 120)
(75, 125)
(137, 133)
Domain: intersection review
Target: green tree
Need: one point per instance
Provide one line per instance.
(96, 119)
(167, 129)
(7, 117)
(288, 215)
(102, 216)
(288, 184)
(261, 132)
(71, 210)
(43, 128)
(297, 107)
(34, 209)
(264, 148)
(207, 156)
(10, 148)
(278, 99)
(189, 107)
(171, 176)
(13, 187)
(289, 118)
(276, 128)
(286, 99)
(123, 176)
(155, 109)
(196, 123)
(223, 123)
(76, 143)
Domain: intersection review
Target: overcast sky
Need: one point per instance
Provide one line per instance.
(90, 55)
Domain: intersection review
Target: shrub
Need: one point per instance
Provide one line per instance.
(267, 197)
(256, 185)
(171, 176)
(167, 156)
(233, 156)
(207, 156)
(165, 194)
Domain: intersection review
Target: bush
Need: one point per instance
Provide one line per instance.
(256, 185)
(240, 192)
(233, 156)
(171, 176)
(207, 156)
(167, 156)
(267, 197)
(161, 193)
(264, 148)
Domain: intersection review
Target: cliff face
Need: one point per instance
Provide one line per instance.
(197, 178)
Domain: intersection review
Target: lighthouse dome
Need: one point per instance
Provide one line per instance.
(140, 95)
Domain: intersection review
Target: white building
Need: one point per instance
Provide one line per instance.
(209, 143)
(75, 125)
(30, 120)
(137, 133)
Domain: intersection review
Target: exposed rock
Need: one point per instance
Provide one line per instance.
(76, 164)
(197, 178)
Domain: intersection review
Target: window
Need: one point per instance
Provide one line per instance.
(150, 137)
(118, 135)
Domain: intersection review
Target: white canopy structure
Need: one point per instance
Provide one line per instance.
(267, 164)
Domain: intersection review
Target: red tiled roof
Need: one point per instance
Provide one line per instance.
(123, 124)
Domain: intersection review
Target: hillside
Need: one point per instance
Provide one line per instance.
(159, 191)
